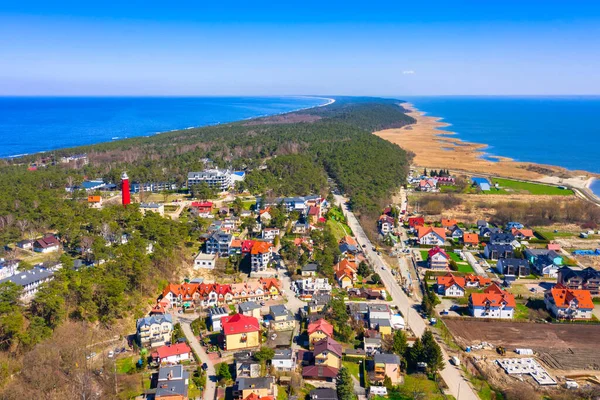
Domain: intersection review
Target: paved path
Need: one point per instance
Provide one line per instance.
(210, 390)
(456, 383)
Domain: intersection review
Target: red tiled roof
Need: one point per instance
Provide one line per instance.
(172, 350)
(261, 247)
(319, 371)
(254, 396)
(47, 241)
(476, 278)
(416, 221)
(313, 210)
(528, 233)
(247, 246)
(349, 240)
(563, 297)
(437, 250)
(321, 325)
(202, 204)
(239, 323)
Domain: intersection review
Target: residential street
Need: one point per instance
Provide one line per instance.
(210, 391)
(458, 386)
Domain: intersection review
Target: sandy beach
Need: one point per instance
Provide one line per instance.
(436, 148)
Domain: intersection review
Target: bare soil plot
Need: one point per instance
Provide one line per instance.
(560, 346)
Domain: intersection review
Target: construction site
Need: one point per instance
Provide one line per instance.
(562, 355)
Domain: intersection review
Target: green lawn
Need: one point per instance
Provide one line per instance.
(455, 257)
(424, 254)
(521, 312)
(416, 383)
(338, 229)
(125, 365)
(353, 368)
(464, 267)
(510, 186)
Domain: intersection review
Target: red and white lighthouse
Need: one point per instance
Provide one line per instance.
(125, 195)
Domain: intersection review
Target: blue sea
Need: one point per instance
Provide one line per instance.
(556, 130)
(33, 124)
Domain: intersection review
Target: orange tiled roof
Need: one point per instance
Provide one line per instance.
(321, 325)
(424, 230)
(449, 280)
(94, 199)
(495, 296)
(525, 232)
(447, 223)
(268, 283)
(471, 238)
(563, 297)
(261, 247)
(476, 278)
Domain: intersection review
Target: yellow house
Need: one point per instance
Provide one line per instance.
(240, 332)
(328, 353)
(255, 388)
(387, 365)
(319, 330)
(270, 287)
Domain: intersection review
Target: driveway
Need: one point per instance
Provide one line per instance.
(210, 390)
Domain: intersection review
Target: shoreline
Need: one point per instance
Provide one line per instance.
(329, 101)
(436, 147)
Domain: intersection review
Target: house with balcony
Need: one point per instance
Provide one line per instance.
(245, 365)
(438, 259)
(498, 251)
(29, 281)
(570, 304)
(284, 360)
(172, 383)
(451, 286)
(544, 262)
(577, 278)
(492, 303)
(427, 235)
(260, 256)
(219, 243)
(517, 267)
(319, 330)
(250, 309)
(387, 365)
(154, 331)
(281, 319)
(327, 352)
(260, 386)
(240, 332)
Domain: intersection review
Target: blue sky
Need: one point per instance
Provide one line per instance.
(275, 48)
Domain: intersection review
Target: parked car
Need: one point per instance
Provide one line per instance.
(111, 354)
(204, 366)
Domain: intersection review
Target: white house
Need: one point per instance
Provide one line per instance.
(30, 280)
(431, 236)
(260, 256)
(451, 286)
(566, 303)
(492, 303)
(205, 261)
(270, 233)
(47, 244)
(155, 330)
(284, 360)
(172, 354)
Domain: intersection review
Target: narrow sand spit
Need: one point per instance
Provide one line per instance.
(437, 148)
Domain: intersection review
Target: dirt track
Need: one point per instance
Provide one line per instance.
(564, 346)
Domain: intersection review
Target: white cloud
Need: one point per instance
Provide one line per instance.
(409, 72)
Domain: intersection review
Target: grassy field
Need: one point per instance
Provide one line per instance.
(521, 312)
(353, 368)
(124, 365)
(508, 186)
(416, 383)
(338, 229)
(464, 267)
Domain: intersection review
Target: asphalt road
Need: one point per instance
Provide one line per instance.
(458, 386)
(210, 390)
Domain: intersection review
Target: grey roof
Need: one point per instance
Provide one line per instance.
(320, 299)
(25, 278)
(372, 340)
(174, 384)
(387, 358)
(310, 267)
(358, 308)
(218, 311)
(282, 354)
(501, 237)
(243, 356)
(248, 306)
(499, 247)
(279, 310)
(254, 383)
(513, 262)
(323, 394)
(176, 371)
(378, 308)
(154, 319)
(381, 322)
